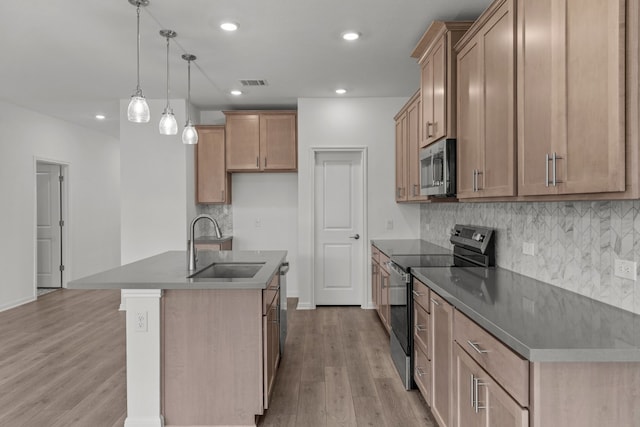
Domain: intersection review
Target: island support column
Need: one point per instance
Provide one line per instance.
(143, 357)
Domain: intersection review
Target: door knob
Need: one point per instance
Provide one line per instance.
(355, 236)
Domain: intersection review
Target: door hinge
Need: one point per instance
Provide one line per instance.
(61, 223)
(61, 267)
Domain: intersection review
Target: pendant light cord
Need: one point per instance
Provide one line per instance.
(138, 91)
(188, 91)
(168, 73)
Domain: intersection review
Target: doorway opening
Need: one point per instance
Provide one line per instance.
(50, 223)
(339, 188)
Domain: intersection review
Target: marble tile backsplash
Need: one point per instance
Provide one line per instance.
(576, 243)
(221, 213)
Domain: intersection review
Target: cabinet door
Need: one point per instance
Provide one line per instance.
(375, 283)
(384, 299)
(440, 349)
(571, 96)
(278, 141)
(213, 181)
(401, 144)
(243, 142)
(413, 152)
(426, 86)
(439, 128)
(479, 401)
(469, 122)
(496, 169)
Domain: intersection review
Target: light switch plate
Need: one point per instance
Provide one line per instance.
(625, 269)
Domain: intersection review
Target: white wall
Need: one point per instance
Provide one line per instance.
(265, 215)
(351, 122)
(94, 198)
(157, 186)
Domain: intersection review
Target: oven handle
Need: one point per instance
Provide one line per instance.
(404, 277)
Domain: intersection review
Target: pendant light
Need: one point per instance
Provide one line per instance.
(168, 124)
(138, 111)
(189, 134)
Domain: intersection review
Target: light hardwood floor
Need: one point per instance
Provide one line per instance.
(62, 363)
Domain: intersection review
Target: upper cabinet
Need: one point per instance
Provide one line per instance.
(213, 183)
(436, 57)
(407, 151)
(259, 141)
(486, 97)
(571, 95)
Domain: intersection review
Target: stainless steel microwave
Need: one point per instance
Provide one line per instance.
(438, 169)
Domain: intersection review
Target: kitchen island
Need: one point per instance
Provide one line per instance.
(200, 350)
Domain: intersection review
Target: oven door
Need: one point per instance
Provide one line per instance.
(401, 310)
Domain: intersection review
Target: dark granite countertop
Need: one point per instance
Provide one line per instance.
(169, 271)
(541, 322)
(409, 247)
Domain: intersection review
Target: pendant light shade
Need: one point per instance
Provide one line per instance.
(189, 134)
(138, 111)
(168, 124)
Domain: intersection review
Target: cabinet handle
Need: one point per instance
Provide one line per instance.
(420, 371)
(415, 190)
(421, 328)
(473, 185)
(478, 173)
(416, 293)
(477, 383)
(222, 195)
(435, 301)
(265, 162)
(258, 161)
(555, 158)
(546, 169)
(476, 348)
(473, 391)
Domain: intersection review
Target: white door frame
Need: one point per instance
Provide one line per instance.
(66, 243)
(313, 151)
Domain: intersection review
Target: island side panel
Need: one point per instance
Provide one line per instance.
(585, 394)
(212, 357)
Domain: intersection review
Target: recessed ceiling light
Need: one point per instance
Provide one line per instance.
(229, 26)
(100, 116)
(350, 35)
(236, 92)
(341, 91)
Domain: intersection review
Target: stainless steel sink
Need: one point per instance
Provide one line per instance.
(228, 270)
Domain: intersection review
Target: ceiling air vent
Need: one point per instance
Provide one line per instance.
(254, 82)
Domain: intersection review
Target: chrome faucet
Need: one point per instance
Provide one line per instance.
(192, 232)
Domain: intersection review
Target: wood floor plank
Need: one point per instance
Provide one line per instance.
(312, 405)
(339, 400)
(369, 412)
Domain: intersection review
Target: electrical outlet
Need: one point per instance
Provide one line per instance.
(389, 224)
(528, 305)
(141, 321)
(529, 248)
(258, 223)
(625, 269)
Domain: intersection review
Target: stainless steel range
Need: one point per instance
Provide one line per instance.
(473, 246)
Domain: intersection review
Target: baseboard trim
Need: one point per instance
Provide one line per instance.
(305, 306)
(16, 303)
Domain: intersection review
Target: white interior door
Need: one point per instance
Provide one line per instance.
(49, 248)
(338, 228)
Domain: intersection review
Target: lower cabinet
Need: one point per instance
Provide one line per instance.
(441, 342)
(479, 400)
(384, 307)
(271, 343)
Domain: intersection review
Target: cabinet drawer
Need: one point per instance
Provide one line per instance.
(422, 373)
(421, 327)
(269, 293)
(508, 368)
(375, 254)
(384, 262)
(421, 294)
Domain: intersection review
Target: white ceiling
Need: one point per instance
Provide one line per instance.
(74, 59)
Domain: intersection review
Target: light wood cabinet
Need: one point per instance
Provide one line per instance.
(486, 93)
(384, 307)
(441, 332)
(213, 182)
(260, 141)
(408, 151)
(480, 401)
(271, 338)
(436, 57)
(375, 277)
(571, 96)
